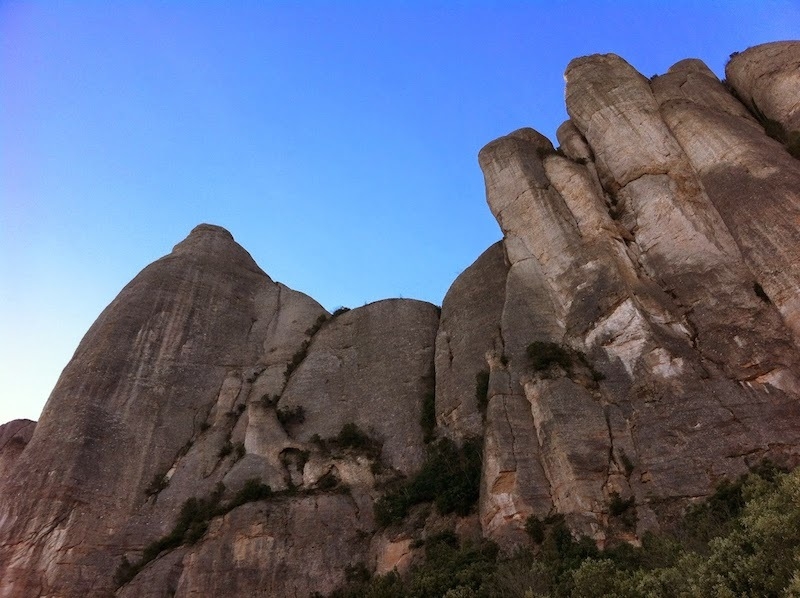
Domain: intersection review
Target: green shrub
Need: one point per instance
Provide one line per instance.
(357, 573)
(296, 359)
(352, 437)
(449, 478)
(269, 400)
(715, 516)
(291, 416)
(340, 311)
(482, 390)
(190, 526)
(252, 491)
(623, 509)
(314, 328)
(617, 505)
(428, 416)
(543, 355)
(125, 572)
(535, 528)
(327, 482)
(626, 463)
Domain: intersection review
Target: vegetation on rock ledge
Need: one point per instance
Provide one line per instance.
(449, 478)
(743, 541)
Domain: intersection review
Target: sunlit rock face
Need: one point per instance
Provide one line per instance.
(634, 336)
(660, 244)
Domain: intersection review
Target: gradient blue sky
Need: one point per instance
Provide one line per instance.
(337, 141)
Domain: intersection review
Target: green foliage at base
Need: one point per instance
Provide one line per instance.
(743, 541)
(449, 570)
(752, 529)
(449, 478)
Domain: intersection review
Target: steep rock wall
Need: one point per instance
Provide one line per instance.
(633, 336)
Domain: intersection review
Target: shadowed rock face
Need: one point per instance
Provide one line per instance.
(14, 437)
(635, 333)
(469, 329)
(768, 78)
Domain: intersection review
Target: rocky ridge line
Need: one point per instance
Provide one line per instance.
(633, 337)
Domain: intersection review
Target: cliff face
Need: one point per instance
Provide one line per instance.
(634, 336)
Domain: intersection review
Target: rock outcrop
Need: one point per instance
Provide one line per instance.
(634, 337)
(14, 437)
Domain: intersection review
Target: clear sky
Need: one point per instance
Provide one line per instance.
(337, 141)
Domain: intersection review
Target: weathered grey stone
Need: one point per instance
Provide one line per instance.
(592, 253)
(285, 548)
(753, 183)
(768, 78)
(165, 356)
(683, 241)
(14, 437)
(469, 328)
(371, 366)
(692, 80)
(572, 142)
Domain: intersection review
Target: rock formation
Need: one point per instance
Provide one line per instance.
(633, 337)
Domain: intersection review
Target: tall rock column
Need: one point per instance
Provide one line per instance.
(751, 179)
(683, 240)
(167, 353)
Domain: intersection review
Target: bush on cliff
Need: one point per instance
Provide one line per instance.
(449, 478)
(743, 541)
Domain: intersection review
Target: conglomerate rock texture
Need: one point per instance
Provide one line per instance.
(633, 336)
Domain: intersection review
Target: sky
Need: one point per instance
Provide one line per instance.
(337, 141)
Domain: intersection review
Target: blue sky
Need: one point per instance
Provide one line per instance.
(337, 141)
